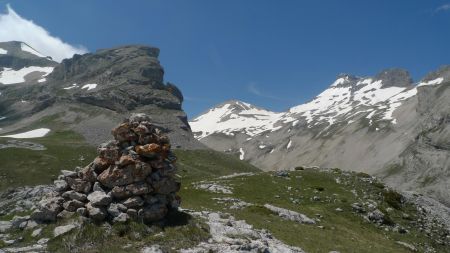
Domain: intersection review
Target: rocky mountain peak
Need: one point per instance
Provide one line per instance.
(113, 82)
(236, 105)
(131, 64)
(394, 77)
(443, 72)
(345, 80)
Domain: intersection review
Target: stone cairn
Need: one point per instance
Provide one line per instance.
(133, 177)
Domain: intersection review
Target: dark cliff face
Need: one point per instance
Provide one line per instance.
(112, 83)
(126, 78)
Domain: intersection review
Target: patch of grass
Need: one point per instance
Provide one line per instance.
(363, 175)
(182, 232)
(204, 164)
(393, 198)
(177, 237)
(344, 231)
(21, 166)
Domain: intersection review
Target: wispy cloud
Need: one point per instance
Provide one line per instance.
(253, 88)
(14, 27)
(444, 7)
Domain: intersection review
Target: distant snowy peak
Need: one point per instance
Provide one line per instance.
(350, 95)
(234, 116)
(346, 99)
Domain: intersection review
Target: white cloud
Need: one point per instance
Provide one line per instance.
(444, 7)
(14, 27)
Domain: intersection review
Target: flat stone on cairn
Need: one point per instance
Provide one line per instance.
(133, 177)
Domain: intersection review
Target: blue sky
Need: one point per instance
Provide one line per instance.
(273, 54)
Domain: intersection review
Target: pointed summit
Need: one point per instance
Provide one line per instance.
(394, 77)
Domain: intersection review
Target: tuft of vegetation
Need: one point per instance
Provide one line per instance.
(393, 198)
(182, 232)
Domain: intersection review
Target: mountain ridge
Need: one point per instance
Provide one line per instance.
(356, 123)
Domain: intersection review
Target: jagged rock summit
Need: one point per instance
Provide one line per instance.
(89, 93)
(132, 178)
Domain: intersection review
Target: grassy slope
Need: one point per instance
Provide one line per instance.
(28, 167)
(343, 231)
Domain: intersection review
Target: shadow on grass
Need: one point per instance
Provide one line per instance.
(175, 218)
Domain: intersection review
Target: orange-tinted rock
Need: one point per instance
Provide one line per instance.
(115, 176)
(149, 150)
(100, 164)
(126, 160)
(88, 174)
(109, 151)
(123, 133)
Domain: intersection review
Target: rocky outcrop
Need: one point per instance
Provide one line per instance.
(89, 93)
(231, 235)
(132, 178)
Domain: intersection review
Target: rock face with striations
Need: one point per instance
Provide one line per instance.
(132, 178)
(89, 93)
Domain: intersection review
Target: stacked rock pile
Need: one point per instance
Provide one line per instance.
(133, 177)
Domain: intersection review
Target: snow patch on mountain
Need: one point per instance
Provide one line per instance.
(11, 76)
(71, 87)
(89, 86)
(3, 51)
(235, 116)
(36, 133)
(432, 82)
(289, 144)
(242, 154)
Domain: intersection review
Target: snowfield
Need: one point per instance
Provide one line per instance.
(10, 76)
(3, 51)
(89, 86)
(37, 133)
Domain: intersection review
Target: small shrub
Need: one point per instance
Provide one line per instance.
(363, 175)
(387, 220)
(299, 168)
(319, 188)
(378, 184)
(393, 198)
(336, 170)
